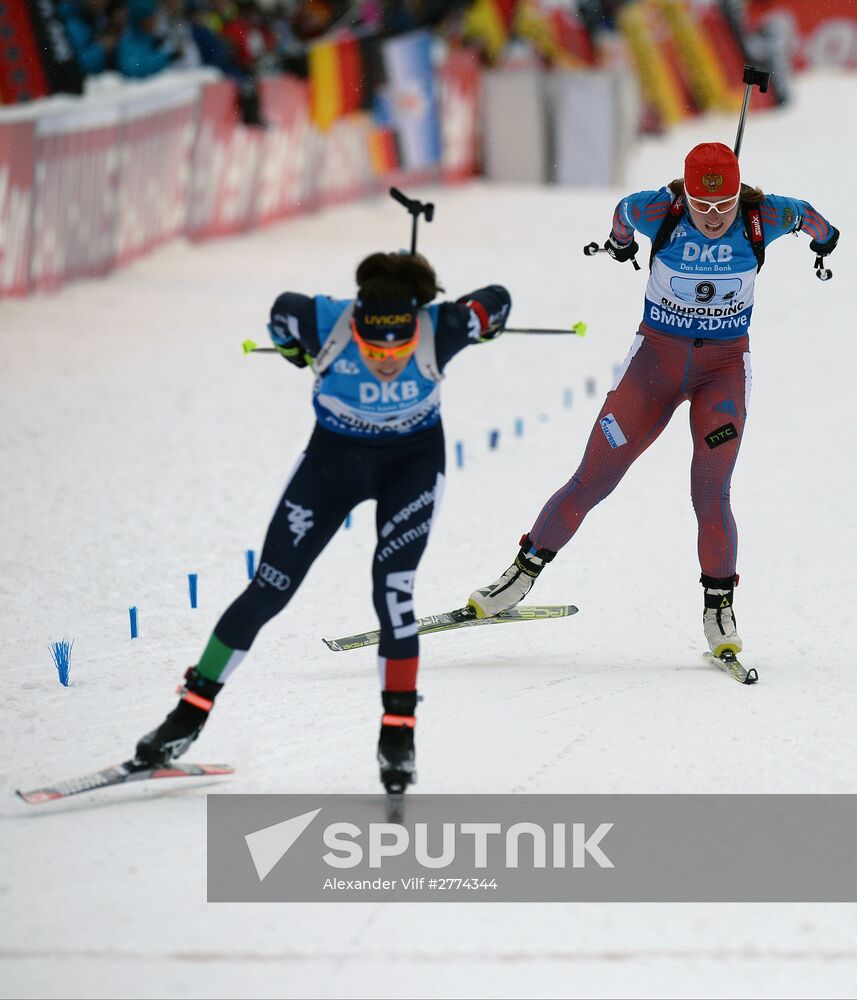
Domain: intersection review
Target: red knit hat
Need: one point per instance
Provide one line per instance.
(711, 171)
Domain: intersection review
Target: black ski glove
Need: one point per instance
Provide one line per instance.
(480, 304)
(823, 249)
(288, 346)
(621, 251)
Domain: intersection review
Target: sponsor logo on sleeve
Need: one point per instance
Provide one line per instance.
(270, 574)
(612, 431)
(721, 436)
(300, 520)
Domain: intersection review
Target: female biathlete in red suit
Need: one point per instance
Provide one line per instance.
(692, 345)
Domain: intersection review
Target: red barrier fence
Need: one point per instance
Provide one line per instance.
(89, 184)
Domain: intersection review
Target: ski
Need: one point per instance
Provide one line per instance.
(460, 618)
(729, 662)
(131, 770)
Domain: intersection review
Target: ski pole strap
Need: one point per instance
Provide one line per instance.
(755, 234)
(671, 220)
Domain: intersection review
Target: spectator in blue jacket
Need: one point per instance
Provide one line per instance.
(142, 51)
(93, 31)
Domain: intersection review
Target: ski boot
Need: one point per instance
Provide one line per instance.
(182, 726)
(514, 585)
(718, 618)
(396, 742)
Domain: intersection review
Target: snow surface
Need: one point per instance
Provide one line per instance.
(140, 445)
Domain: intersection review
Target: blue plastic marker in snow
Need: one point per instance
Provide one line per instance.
(191, 584)
(61, 652)
(132, 614)
(567, 398)
(459, 454)
(590, 387)
(519, 427)
(493, 439)
(251, 564)
(348, 520)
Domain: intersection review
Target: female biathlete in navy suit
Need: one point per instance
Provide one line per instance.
(709, 234)
(378, 361)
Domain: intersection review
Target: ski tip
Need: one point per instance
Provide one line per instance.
(35, 797)
(332, 644)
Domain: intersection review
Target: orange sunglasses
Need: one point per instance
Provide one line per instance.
(375, 352)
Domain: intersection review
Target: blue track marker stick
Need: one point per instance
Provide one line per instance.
(251, 564)
(348, 520)
(493, 439)
(459, 454)
(61, 652)
(519, 427)
(191, 586)
(132, 615)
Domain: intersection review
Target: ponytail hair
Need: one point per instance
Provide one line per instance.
(396, 275)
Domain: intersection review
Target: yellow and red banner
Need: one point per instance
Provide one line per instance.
(488, 23)
(335, 80)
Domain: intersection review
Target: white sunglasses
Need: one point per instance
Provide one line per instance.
(722, 206)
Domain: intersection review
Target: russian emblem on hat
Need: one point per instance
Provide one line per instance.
(711, 168)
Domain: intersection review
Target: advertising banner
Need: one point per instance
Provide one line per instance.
(17, 169)
(815, 34)
(76, 183)
(460, 92)
(284, 183)
(37, 57)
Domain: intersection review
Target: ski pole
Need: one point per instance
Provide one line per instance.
(416, 209)
(752, 78)
(593, 248)
(578, 330)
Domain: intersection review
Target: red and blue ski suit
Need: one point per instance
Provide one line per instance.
(691, 345)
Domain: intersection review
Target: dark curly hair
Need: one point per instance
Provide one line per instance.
(397, 275)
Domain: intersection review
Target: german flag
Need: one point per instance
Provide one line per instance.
(335, 80)
(488, 23)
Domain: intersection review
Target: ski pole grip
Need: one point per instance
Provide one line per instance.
(821, 272)
(591, 249)
(757, 78)
(402, 199)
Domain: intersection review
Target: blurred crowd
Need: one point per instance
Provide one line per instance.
(138, 38)
(246, 39)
